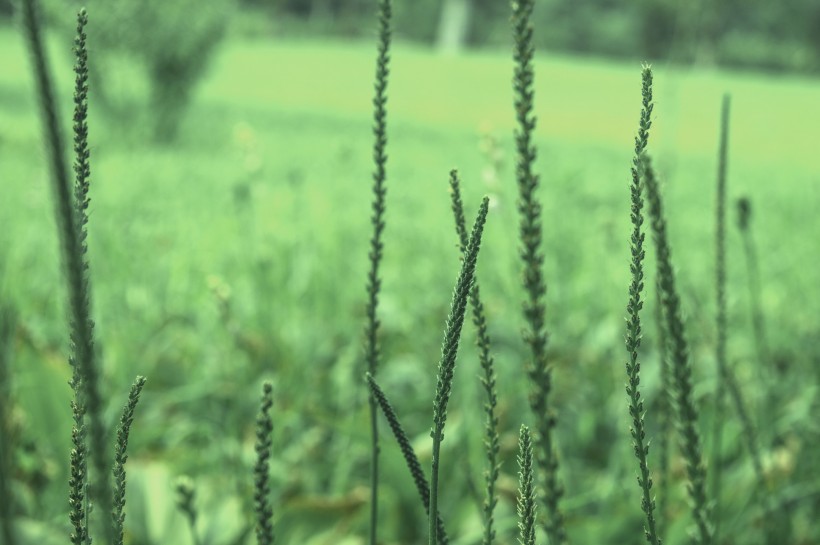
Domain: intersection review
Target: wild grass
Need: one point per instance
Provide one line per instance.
(309, 440)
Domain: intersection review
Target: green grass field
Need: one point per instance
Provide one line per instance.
(239, 254)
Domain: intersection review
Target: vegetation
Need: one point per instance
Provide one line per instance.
(276, 304)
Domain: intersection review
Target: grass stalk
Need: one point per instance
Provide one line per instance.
(71, 220)
(720, 316)
(449, 351)
(687, 414)
(407, 451)
(376, 245)
(8, 325)
(121, 456)
(261, 470)
(633, 331)
(526, 503)
(665, 418)
(491, 442)
(529, 208)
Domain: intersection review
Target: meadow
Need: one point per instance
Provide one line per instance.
(238, 254)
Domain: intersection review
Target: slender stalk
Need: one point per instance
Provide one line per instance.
(744, 216)
(720, 316)
(261, 471)
(687, 415)
(8, 324)
(407, 451)
(526, 489)
(529, 208)
(449, 350)
(633, 331)
(121, 456)
(376, 246)
(71, 218)
(665, 419)
(491, 443)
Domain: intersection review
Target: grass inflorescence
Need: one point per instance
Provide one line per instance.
(408, 453)
(261, 470)
(121, 456)
(640, 442)
(488, 377)
(526, 504)
(376, 244)
(529, 209)
(449, 351)
(687, 413)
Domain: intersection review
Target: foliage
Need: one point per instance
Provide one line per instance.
(204, 398)
(171, 43)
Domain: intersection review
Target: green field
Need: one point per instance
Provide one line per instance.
(239, 253)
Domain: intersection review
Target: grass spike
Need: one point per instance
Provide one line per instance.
(121, 456)
(720, 314)
(449, 350)
(407, 451)
(261, 470)
(72, 234)
(491, 441)
(376, 244)
(529, 208)
(8, 327)
(526, 502)
(633, 331)
(687, 414)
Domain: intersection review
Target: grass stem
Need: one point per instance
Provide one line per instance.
(449, 351)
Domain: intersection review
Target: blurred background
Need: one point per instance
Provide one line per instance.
(231, 187)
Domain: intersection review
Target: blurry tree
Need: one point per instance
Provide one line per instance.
(454, 24)
(170, 41)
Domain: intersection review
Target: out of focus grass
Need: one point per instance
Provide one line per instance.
(239, 253)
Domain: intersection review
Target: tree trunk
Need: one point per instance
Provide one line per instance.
(454, 24)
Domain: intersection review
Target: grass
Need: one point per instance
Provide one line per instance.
(231, 247)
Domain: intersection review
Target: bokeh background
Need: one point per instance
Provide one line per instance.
(231, 173)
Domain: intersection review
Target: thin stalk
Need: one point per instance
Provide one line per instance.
(720, 316)
(377, 246)
(8, 323)
(665, 419)
(121, 456)
(633, 331)
(535, 335)
(491, 442)
(71, 228)
(687, 414)
(407, 451)
(449, 351)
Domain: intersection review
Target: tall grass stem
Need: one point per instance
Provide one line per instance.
(376, 244)
(488, 378)
(640, 443)
(535, 335)
(449, 351)
(407, 451)
(687, 413)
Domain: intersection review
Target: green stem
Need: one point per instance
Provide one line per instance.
(449, 351)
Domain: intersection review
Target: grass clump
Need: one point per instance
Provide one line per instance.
(71, 212)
